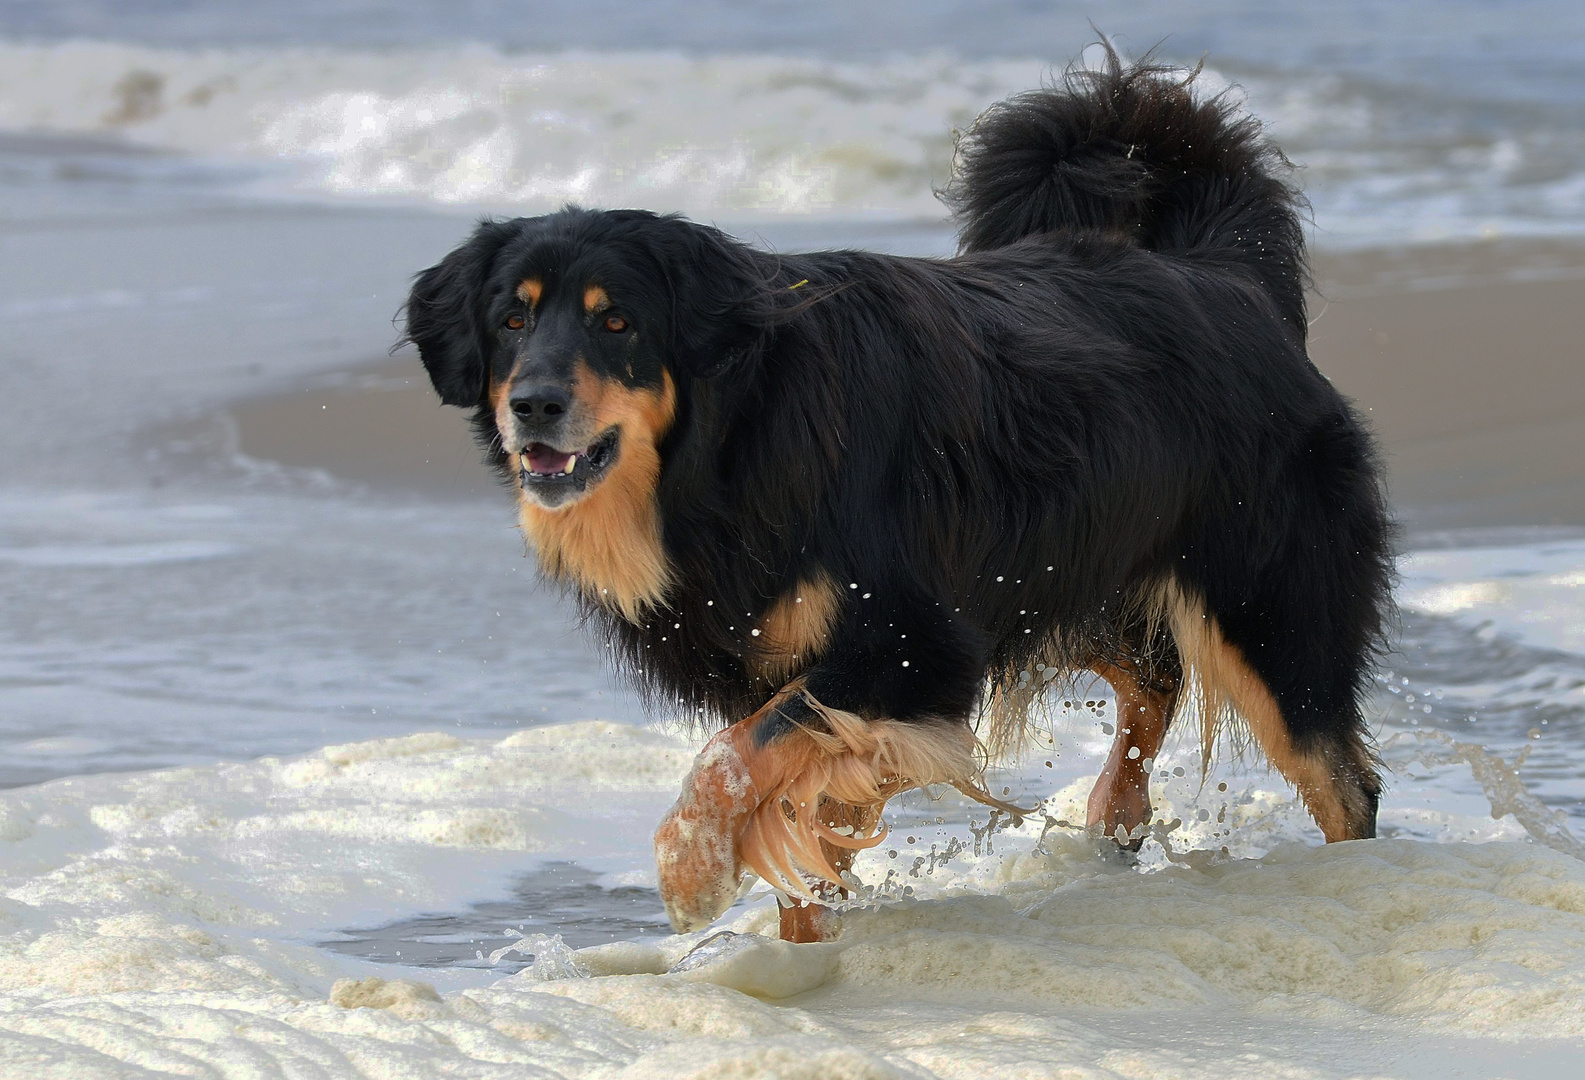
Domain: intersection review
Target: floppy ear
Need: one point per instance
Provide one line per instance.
(721, 304)
(445, 315)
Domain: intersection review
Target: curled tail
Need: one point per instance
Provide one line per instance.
(1130, 152)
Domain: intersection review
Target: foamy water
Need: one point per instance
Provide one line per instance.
(205, 917)
(172, 921)
(737, 135)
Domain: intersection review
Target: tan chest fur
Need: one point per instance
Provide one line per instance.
(609, 542)
(797, 627)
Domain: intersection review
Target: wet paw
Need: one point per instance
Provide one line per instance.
(696, 844)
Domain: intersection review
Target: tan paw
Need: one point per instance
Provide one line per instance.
(696, 844)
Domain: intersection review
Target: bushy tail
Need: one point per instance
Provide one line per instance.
(1131, 152)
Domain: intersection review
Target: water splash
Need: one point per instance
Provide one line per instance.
(1499, 780)
(553, 959)
(717, 946)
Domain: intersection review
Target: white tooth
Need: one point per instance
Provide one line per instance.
(523, 459)
(571, 461)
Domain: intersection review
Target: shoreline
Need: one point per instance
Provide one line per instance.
(1469, 363)
(1467, 360)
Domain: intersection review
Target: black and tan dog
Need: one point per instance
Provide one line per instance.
(858, 505)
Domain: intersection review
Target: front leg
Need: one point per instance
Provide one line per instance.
(790, 793)
(814, 920)
(741, 774)
(793, 791)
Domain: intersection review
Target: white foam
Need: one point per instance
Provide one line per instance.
(163, 920)
(736, 137)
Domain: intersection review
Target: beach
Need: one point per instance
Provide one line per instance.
(1464, 360)
(304, 773)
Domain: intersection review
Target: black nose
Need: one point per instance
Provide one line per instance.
(540, 403)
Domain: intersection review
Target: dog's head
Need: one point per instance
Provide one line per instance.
(575, 331)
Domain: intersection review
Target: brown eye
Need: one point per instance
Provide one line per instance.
(615, 323)
(515, 322)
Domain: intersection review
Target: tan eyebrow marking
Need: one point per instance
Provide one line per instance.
(530, 291)
(595, 299)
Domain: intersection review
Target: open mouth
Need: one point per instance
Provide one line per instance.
(542, 466)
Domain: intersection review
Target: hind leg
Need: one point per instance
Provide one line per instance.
(1334, 775)
(1119, 803)
(1321, 751)
(1292, 585)
(1332, 769)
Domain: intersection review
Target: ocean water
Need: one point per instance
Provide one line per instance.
(264, 729)
(1409, 122)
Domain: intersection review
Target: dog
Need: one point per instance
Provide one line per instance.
(861, 508)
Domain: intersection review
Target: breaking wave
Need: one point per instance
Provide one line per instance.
(734, 136)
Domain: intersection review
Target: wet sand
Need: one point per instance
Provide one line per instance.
(381, 426)
(1469, 362)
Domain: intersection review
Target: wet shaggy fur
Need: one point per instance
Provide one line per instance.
(1091, 433)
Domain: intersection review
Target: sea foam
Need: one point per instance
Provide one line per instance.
(735, 137)
(164, 921)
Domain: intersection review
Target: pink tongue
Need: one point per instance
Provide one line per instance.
(542, 459)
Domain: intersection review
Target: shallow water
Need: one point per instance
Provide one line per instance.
(556, 898)
(141, 633)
